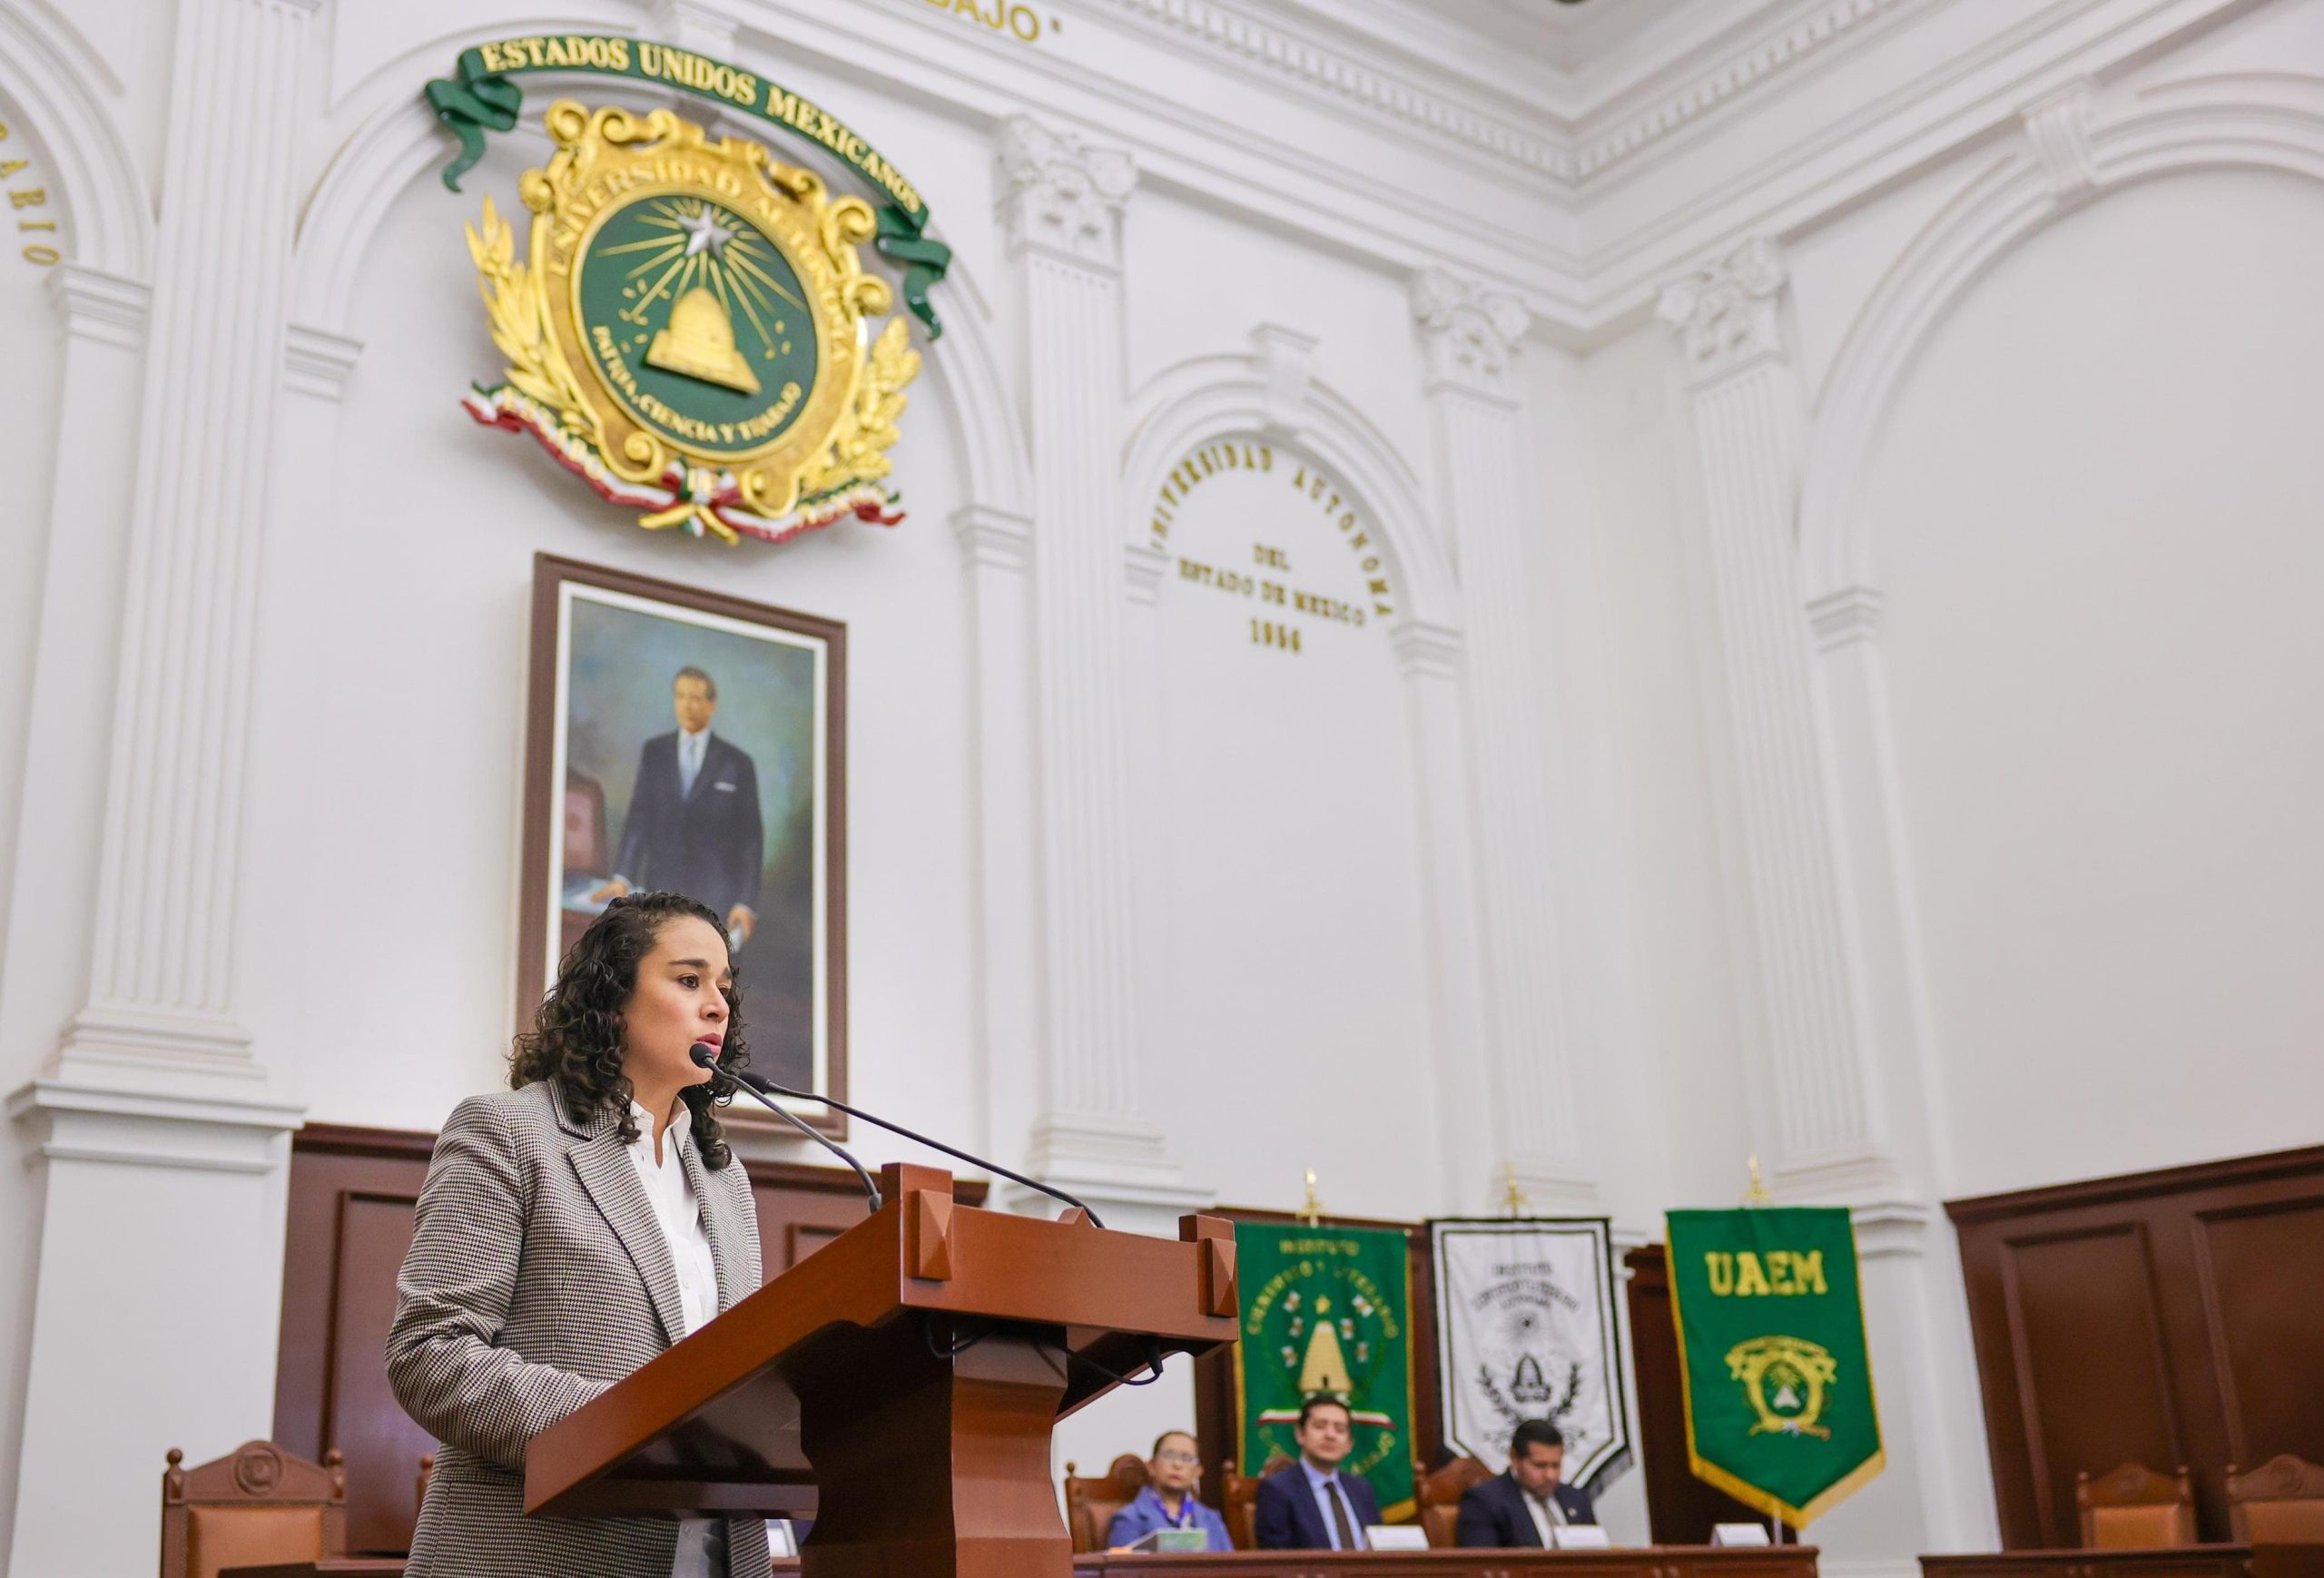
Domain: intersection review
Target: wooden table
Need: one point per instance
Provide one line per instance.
(1639, 1562)
(2183, 1562)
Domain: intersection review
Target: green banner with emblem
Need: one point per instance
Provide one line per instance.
(1327, 1309)
(1778, 1374)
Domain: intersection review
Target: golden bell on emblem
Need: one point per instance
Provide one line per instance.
(699, 342)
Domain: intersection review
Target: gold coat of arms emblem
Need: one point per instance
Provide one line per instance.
(694, 332)
(1784, 1379)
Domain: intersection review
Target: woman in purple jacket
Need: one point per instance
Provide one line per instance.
(1168, 1499)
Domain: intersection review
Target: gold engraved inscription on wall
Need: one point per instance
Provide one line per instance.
(27, 200)
(1286, 614)
(1021, 23)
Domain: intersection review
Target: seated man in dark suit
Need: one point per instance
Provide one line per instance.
(1520, 1507)
(1312, 1505)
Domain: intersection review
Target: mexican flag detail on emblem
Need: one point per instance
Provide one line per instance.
(1778, 1377)
(1327, 1309)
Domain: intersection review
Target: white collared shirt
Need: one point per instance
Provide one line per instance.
(679, 1216)
(1547, 1514)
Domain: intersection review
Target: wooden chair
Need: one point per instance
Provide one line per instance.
(2135, 1508)
(258, 1505)
(2279, 1503)
(1439, 1494)
(1240, 1499)
(1090, 1503)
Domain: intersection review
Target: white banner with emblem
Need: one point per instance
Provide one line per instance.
(1525, 1329)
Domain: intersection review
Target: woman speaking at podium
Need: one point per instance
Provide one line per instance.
(572, 1227)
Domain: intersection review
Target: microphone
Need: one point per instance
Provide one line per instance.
(762, 1087)
(705, 1056)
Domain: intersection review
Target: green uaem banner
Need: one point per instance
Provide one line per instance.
(1327, 1309)
(479, 97)
(1781, 1412)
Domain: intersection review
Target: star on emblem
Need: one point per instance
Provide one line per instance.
(705, 234)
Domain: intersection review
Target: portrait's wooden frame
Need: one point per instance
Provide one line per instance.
(539, 930)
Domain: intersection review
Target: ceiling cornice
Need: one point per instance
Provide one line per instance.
(1674, 100)
(1532, 144)
(1564, 139)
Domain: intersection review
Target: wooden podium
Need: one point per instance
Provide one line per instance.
(901, 1383)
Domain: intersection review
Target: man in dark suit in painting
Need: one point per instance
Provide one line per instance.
(692, 825)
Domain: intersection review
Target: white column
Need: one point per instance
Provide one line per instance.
(1477, 425)
(1060, 205)
(1827, 919)
(996, 549)
(1820, 1126)
(1429, 655)
(160, 1146)
(50, 914)
(43, 958)
(162, 977)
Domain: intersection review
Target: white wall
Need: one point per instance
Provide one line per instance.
(2093, 507)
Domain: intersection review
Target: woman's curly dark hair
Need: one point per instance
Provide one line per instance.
(577, 1036)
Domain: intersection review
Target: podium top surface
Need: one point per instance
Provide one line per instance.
(712, 1424)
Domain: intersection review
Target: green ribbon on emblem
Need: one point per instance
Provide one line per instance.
(1327, 1309)
(481, 98)
(1781, 1412)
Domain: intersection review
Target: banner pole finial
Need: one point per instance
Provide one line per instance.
(1312, 1210)
(1756, 1194)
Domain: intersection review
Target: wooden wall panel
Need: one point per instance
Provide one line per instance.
(2165, 1318)
(2086, 1335)
(352, 1191)
(2262, 1279)
(352, 1195)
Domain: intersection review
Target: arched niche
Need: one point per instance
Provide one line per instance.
(2044, 879)
(1278, 560)
(438, 517)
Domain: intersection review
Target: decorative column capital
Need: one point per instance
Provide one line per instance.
(704, 26)
(1426, 651)
(95, 305)
(320, 362)
(1062, 194)
(1144, 565)
(991, 538)
(1287, 359)
(1846, 617)
(1726, 315)
(1473, 332)
(2057, 128)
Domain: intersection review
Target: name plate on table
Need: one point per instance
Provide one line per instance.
(1396, 1537)
(1582, 1538)
(1171, 1540)
(1738, 1534)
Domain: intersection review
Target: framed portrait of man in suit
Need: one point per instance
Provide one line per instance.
(686, 740)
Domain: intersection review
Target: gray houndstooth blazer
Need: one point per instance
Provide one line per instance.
(537, 1279)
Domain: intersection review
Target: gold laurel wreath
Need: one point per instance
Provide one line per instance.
(516, 310)
(859, 448)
